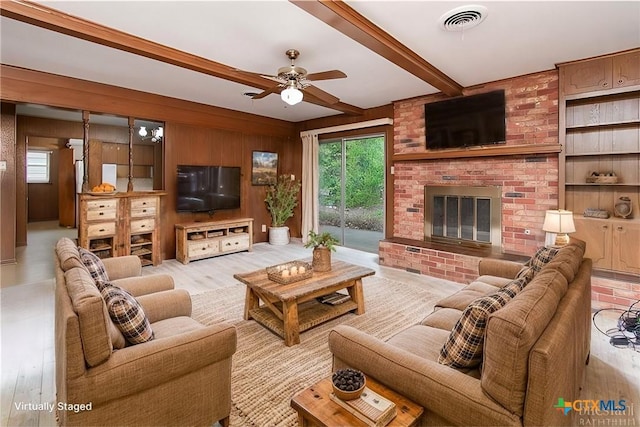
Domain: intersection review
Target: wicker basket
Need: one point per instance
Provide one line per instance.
(275, 272)
(602, 179)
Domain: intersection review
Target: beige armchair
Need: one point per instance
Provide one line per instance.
(181, 377)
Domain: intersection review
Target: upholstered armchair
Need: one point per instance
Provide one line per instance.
(180, 377)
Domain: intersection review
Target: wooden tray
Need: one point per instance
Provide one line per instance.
(275, 272)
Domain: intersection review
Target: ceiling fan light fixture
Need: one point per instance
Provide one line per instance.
(143, 131)
(291, 95)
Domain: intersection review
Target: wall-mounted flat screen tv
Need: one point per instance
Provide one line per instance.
(466, 121)
(207, 188)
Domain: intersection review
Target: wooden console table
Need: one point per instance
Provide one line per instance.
(199, 240)
(293, 308)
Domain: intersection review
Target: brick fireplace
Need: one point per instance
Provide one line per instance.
(528, 183)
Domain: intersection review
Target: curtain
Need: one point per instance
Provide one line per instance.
(309, 183)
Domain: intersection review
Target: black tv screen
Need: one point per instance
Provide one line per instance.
(207, 188)
(466, 121)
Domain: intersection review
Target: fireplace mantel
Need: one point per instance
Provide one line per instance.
(491, 151)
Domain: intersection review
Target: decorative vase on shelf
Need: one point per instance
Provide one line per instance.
(623, 207)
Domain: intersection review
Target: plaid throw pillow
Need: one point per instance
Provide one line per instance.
(94, 265)
(541, 258)
(463, 348)
(127, 314)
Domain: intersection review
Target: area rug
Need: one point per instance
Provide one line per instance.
(266, 373)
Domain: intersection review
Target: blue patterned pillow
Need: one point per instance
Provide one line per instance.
(127, 314)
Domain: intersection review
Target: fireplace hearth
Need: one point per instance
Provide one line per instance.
(464, 215)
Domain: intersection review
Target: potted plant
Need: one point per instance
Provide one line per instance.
(281, 200)
(323, 244)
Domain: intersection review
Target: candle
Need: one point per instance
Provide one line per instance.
(294, 270)
(285, 273)
(301, 270)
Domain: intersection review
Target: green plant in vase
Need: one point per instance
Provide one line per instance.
(323, 244)
(281, 199)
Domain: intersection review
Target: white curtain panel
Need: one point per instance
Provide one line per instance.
(310, 178)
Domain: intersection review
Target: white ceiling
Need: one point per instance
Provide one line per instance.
(516, 38)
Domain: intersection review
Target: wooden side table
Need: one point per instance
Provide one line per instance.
(315, 407)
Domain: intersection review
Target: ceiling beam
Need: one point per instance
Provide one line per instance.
(54, 20)
(343, 18)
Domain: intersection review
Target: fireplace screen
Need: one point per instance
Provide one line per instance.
(463, 215)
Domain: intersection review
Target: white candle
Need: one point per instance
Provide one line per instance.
(294, 271)
(302, 270)
(285, 273)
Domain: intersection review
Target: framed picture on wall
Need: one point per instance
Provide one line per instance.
(264, 168)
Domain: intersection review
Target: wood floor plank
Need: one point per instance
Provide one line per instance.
(27, 320)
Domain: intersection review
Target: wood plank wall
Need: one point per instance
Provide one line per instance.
(8, 184)
(194, 134)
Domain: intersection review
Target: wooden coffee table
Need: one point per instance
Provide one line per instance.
(290, 309)
(315, 407)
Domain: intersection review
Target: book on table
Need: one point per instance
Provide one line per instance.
(371, 408)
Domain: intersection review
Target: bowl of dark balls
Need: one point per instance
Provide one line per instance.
(348, 384)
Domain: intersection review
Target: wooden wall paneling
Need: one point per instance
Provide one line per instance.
(42, 199)
(21, 85)
(95, 162)
(66, 188)
(8, 182)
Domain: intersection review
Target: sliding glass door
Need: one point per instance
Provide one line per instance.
(351, 190)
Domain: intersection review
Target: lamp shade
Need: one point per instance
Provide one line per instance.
(559, 221)
(291, 95)
(142, 131)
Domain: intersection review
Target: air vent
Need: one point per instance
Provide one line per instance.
(463, 18)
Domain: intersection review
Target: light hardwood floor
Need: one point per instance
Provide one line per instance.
(26, 300)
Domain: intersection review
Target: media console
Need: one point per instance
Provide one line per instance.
(199, 240)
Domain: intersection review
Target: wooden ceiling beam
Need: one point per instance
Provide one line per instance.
(54, 20)
(345, 19)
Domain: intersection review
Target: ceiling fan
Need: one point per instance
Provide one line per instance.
(292, 80)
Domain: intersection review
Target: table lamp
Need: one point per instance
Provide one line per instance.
(559, 222)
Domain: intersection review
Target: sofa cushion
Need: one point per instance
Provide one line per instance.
(423, 341)
(568, 259)
(127, 314)
(510, 334)
(94, 265)
(442, 318)
(463, 348)
(92, 316)
(68, 255)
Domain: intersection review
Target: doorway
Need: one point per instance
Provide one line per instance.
(351, 190)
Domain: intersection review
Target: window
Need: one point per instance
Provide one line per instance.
(38, 165)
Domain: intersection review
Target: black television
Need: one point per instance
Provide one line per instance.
(207, 188)
(466, 121)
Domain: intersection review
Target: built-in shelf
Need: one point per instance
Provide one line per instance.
(596, 126)
(602, 153)
(489, 151)
(597, 184)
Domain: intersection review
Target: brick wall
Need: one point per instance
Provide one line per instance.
(529, 185)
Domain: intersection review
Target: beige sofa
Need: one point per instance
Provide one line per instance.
(535, 349)
(181, 377)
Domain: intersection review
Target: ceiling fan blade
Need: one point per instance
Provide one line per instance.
(266, 92)
(326, 75)
(264, 76)
(321, 95)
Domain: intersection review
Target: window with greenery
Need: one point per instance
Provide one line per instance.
(38, 166)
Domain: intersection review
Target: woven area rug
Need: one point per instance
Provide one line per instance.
(266, 373)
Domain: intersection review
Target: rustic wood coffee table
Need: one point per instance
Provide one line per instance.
(290, 309)
(315, 407)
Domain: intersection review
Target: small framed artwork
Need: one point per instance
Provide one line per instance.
(264, 168)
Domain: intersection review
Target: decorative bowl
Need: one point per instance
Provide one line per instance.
(348, 384)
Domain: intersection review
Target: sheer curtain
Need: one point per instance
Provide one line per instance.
(309, 183)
